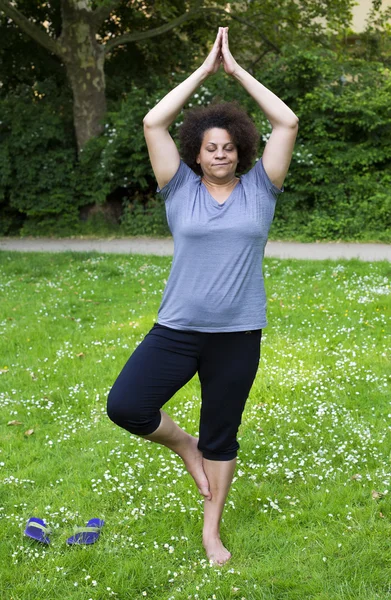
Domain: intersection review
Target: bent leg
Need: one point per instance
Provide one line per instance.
(164, 361)
(186, 446)
(156, 370)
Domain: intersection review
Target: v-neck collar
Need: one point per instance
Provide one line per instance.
(227, 200)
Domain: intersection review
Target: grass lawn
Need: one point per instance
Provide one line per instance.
(309, 513)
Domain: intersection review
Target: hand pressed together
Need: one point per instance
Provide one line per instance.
(220, 55)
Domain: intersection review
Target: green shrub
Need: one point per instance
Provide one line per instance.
(148, 218)
(118, 158)
(43, 184)
(338, 185)
(37, 160)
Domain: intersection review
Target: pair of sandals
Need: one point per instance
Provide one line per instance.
(39, 531)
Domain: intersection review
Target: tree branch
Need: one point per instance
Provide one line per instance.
(144, 35)
(198, 10)
(31, 29)
(248, 24)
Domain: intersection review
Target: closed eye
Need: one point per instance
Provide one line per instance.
(228, 149)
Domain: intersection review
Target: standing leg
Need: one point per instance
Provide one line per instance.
(228, 366)
(219, 474)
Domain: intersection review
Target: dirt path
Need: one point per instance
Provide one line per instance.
(165, 247)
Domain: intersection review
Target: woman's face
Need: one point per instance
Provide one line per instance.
(218, 157)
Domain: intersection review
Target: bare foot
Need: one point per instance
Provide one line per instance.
(192, 457)
(215, 551)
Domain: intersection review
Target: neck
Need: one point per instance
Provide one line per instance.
(220, 184)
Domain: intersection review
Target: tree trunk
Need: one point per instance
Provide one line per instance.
(84, 58)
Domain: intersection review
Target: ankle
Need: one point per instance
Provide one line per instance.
(211, 534)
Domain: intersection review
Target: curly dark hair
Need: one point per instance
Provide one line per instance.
(224, 115)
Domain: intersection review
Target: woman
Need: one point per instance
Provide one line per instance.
(213, 309)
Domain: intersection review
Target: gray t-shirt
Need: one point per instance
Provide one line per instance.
(216, 280)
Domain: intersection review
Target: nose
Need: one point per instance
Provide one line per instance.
(220, 153)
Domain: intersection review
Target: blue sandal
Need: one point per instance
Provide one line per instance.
(88, 534)
(38, 530)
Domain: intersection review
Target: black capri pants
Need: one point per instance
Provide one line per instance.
(166, 360)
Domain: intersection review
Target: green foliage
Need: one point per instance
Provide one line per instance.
(145, 218)
(23, 61)
(37, 160)
(119, 156)
(41, 181)
(338, 184)
(117, 162)
(271, 26)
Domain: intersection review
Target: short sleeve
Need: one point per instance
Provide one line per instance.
(182, 177)
(258, 176)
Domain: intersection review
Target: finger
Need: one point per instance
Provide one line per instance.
(217, 42)
(216, 48)
(224, 40)
(224, 44)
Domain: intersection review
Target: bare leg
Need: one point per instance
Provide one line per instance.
(219, 474)
(185, 445)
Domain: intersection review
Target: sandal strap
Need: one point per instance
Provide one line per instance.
(46, 530)
(86, 529)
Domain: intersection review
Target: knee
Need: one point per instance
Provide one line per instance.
(129, 414)
(115, 408)
(122, 410)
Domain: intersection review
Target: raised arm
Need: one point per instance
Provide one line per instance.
(278, 151)
(162, 150)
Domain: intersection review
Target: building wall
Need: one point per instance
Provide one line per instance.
(361, 11)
